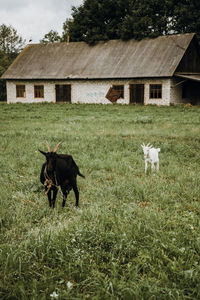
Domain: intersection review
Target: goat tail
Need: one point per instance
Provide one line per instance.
(158, 149)
(79, 173)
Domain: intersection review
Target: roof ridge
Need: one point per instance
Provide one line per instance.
(111, 40)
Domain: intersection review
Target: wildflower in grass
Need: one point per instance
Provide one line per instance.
(69, 285)
(182, 250)
(54, 295)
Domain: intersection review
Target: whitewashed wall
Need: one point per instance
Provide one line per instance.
(49, 92)
(94, 91)
(165, 90)
(176, 92)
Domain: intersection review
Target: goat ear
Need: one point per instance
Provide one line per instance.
(44, 153)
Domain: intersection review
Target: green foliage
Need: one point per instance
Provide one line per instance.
(135, 236)
(107, 19)
(5, 61)
(146, 19)
(66, 26)
(10, 45)
(97, 20)
(186, 16)
(10, 41)
(51, 37)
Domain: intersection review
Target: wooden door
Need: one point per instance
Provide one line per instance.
(63, 92)
(136, 93)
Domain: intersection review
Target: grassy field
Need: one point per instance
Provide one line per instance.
(135, 236)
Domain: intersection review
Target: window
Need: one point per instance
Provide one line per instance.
(20, 91)
(155, 91)
(119, 88)
(39, 91)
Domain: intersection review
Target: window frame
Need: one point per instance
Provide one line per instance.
(155, 91)
(119, 87)
(38, 91)
(20, 91)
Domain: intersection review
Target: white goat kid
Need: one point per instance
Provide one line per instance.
(151, 156)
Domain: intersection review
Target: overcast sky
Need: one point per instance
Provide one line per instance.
(34, 18)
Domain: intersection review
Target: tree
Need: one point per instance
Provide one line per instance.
(10, 46)
(66, 30)
(5, 61)
(97, 20)
(10, 41)
(186, 16)
(113, 19)
(145, 19)
(51, 37)
(124, 19)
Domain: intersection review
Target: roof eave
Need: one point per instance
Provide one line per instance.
(86, 78)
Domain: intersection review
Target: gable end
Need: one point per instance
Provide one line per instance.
(190, 62)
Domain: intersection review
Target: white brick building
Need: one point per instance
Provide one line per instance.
(163, 71)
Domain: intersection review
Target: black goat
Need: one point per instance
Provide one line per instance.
(59, 170)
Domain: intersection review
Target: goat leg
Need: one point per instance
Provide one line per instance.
(76, 192)
(49, 197)
(64, 194)
(55, 191)
(64, 199)
(146, 166)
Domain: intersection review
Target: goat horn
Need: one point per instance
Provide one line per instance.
(56, 148)
(49, 150)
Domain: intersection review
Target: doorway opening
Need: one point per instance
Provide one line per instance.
(191, 92)
(136, 93)
(63, 92)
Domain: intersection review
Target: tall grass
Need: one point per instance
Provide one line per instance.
(135, 236)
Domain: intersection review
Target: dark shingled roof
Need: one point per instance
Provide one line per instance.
(158, 57)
